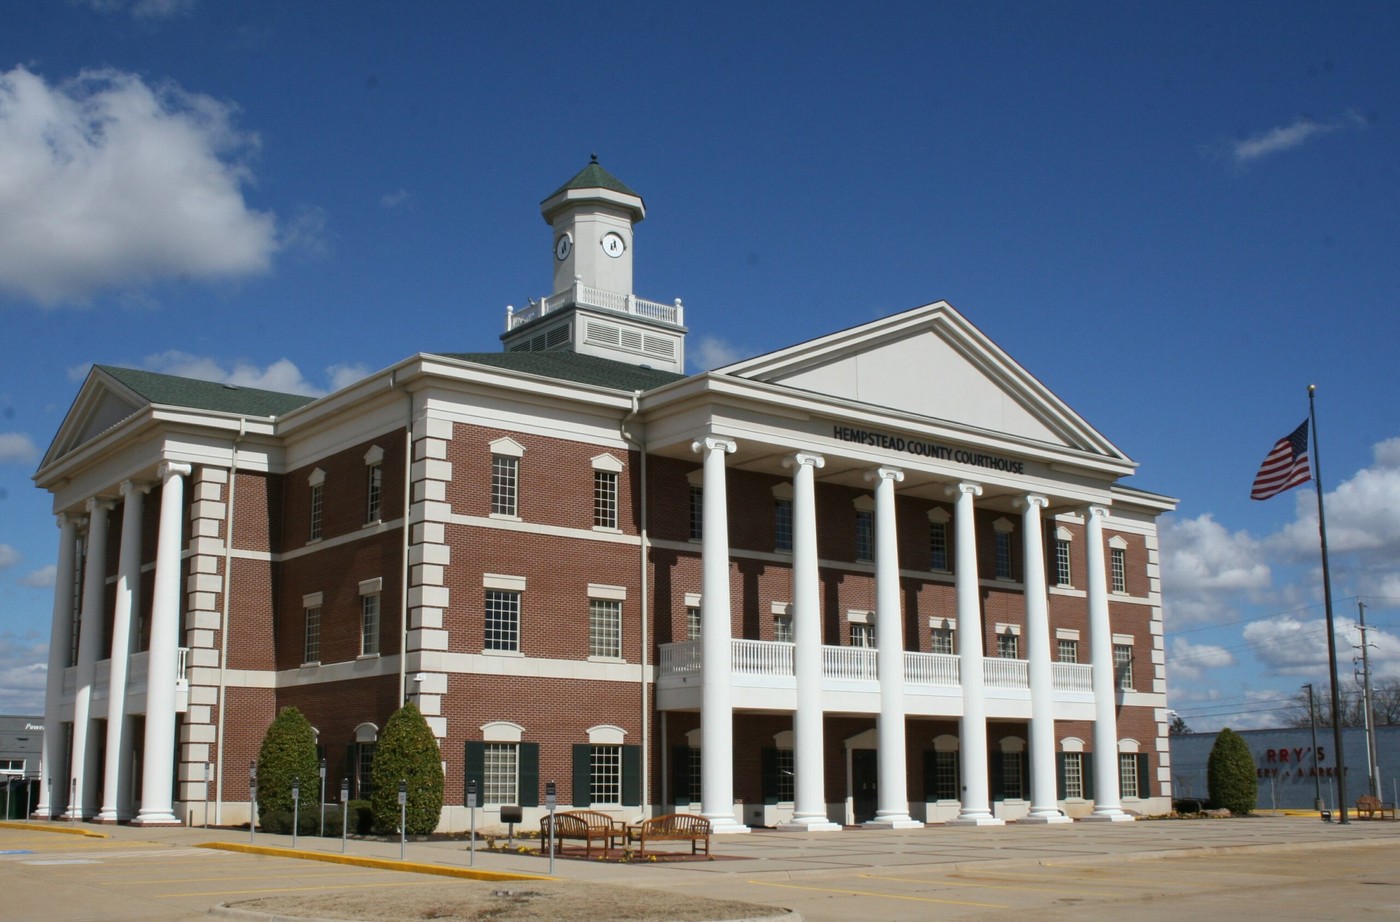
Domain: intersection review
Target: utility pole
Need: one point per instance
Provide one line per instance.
(1317, 779)
(1373, 769)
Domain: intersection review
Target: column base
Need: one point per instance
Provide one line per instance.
(71, 816)
(808, 824)
(892, 822)
(157, 819)
(1048, 818)
(1113, 816)
(976, 819)
(727, 826)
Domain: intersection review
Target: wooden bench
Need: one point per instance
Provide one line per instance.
(1370, 808)
(672, 827)
(588, 826)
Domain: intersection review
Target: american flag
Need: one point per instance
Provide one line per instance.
(1285, 467)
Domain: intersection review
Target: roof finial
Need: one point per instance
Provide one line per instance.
(592, 158)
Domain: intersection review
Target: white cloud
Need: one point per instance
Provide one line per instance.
(396, 199)
(346, 375)
(1289, 646)
(8, 556)
(108, 183)
(42, 578)
(1288, 137)
(711, 352)
(17, 447)
(23, 670)
(1190, 662)
(306, 232)
(282, 375)
(144, 9)
(1204, 567)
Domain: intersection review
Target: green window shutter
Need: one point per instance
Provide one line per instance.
(583, 775)
(475, 770)
(528, 767)
(680, 775)
(1060, 775)
(1144, 785)
(348, 770)
(631, 775)
(995, 768)
(930, 775)
(768, 759)
(1088, 759)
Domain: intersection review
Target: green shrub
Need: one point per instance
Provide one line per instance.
(407, 750)
(361, 817)
(1231, 778)
(288, 751)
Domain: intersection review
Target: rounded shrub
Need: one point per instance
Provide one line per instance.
(288, 752)
(407, 751)
(1231, 778)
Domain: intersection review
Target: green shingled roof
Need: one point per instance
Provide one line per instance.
(570, 366)
(170, 390)
(594, 176)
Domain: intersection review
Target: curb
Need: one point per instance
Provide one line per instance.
(46, 827)
(383, 864)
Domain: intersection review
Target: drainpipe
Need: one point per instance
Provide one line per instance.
(644, 608)
(223, 626)
(407, 535)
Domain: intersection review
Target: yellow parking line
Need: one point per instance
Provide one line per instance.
(374, 886)
(196, 880)
(884, 896)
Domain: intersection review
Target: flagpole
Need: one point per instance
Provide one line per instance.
(1327, 602)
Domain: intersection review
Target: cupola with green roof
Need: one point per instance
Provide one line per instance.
(592, 309)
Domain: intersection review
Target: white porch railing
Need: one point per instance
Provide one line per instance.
(1073, 677)
(594, 297)
(1005, 673)
(682, 658)
(849, 663)
(931, 669)
(762, 657)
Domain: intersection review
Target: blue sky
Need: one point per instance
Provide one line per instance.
(1176, 215)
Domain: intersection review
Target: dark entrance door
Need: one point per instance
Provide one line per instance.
(865, 774)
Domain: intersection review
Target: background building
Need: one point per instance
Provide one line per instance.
(20, 742)
(882, 576)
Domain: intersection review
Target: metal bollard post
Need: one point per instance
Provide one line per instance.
(403, 817)
(549, 800)
(344, 813)
(252, 800)
(321, 805)
(471, 805)
(296, 808)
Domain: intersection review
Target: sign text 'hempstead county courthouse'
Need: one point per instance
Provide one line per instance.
(927, 449)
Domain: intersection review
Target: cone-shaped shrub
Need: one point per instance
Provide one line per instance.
(408, 751)
(1230, 775)
(288, 751)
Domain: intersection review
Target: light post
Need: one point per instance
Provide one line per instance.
(322, 805)
(344, 812)
(208, 777)
(471, 806)
(1317, 780)
(252, 800)
(296, 807)
(403, 817)
(550, 799)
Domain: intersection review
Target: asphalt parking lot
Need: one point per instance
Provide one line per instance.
(1281, 868)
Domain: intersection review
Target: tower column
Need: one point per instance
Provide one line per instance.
(1044, 802)
(51, 753)
(892, 804)
(716, 694)
(1107, 800)
(159, 759)
(84, 766)
(972, 741)
(809, 770)
(127, 600)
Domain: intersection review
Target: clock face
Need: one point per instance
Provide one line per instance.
(563, 247)
(614, 245)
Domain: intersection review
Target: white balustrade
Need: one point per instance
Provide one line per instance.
(595, 297)
(1005, 673)
(931, 669)
(681, 658)
(849, 663)
(761, 657)
(1073, 677)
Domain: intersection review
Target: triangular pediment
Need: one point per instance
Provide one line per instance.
(102, 403)
(929, 362)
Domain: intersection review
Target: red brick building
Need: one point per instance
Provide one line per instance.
(882, 576)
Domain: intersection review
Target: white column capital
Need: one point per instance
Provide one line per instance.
(886, 473)
(1096, 511)
(712, 443)
(966, 487)
(1029, 500)
(170, 469)
(130, 487)
(96, 503)
(801, 458)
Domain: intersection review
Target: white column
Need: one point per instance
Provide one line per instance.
(1107, 801)
(52, 757)
(127, 601)
(972, 737)
(158, 769)
(808, 762)
(716, 695)
(84, 766)
(1044, 800)
(892, 805)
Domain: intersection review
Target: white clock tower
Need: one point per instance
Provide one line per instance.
(592, 309)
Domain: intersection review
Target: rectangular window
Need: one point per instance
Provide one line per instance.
(693, 774)
(782, 525)
(782, 628)
(785, 776)
(605, 628)
(945, 776)
(1062, 562)
(11, 766)
(938, 546)
(1008, 646)
(1074, 775)
(375, 474)
(697, 513)
(311, 648)
(692, 622)
(865, 535)
(1128, 774)
(369, 624)
(862, 635)
(502, 620)
(1069, 650)
(605, 775)
(941, 640)
(364, 763)
(1117, 557)
(1123, 665)
(1003, 555)
(501, 762)
(1012, 775)
(318, 492)
(604, 499)
(505, 485)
